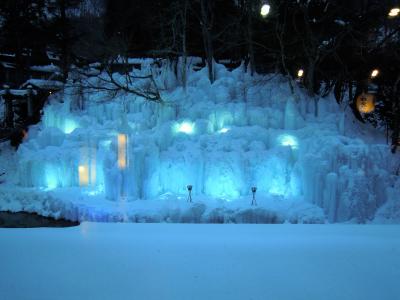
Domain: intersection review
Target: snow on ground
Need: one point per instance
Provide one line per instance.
(71, 205)
(189, 261)
(94, 153)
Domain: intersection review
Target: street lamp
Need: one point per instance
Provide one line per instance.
(265, 8)
(300, 73)
(374, 73)
(394, 12)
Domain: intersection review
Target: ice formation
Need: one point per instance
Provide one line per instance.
(222, 138)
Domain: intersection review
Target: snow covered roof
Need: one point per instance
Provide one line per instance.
(95, 65)
(21, 92)
(8, 54)
(53, 56)
(131, 61)
(7, 65)
(44, 84)
(47, 68)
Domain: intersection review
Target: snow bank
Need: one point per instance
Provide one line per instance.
(222, 138)
(72, 205)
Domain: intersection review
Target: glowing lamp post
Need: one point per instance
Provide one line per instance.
(300, 73)
(394, 12)
(265, 9)
(189, 188)
(374, 73)
(254, 190)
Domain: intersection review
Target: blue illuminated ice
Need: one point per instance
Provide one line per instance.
(223, 138)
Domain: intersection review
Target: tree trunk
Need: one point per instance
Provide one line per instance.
(396, 112)
(207, 39)
(310, 77)
(64, 42)
(250, 42)
(9, 112)
(184, 48)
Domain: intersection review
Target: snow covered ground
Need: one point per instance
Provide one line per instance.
(96, 156)
(189, 261)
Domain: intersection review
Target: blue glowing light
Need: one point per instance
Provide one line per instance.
(288, 140)
(185, 127)
(51, 177)
(224, 130)
(69, 126)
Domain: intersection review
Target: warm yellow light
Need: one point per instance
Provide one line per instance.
(122, 143)
(394, 12)
(87, 166)
(365, 103)
(300, 73)
(83, 172)
(265, 10)
(374, 73)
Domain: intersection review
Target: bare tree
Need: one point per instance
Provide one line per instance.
(206, 19)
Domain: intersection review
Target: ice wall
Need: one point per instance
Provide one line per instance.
(222, 138)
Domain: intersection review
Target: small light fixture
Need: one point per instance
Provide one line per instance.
(394, 12)
(224, 130)
(254, 190)
(189, 188)
(374, 73)
(184, 127)
(265, 8)
(300, 73)
(288, 140)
